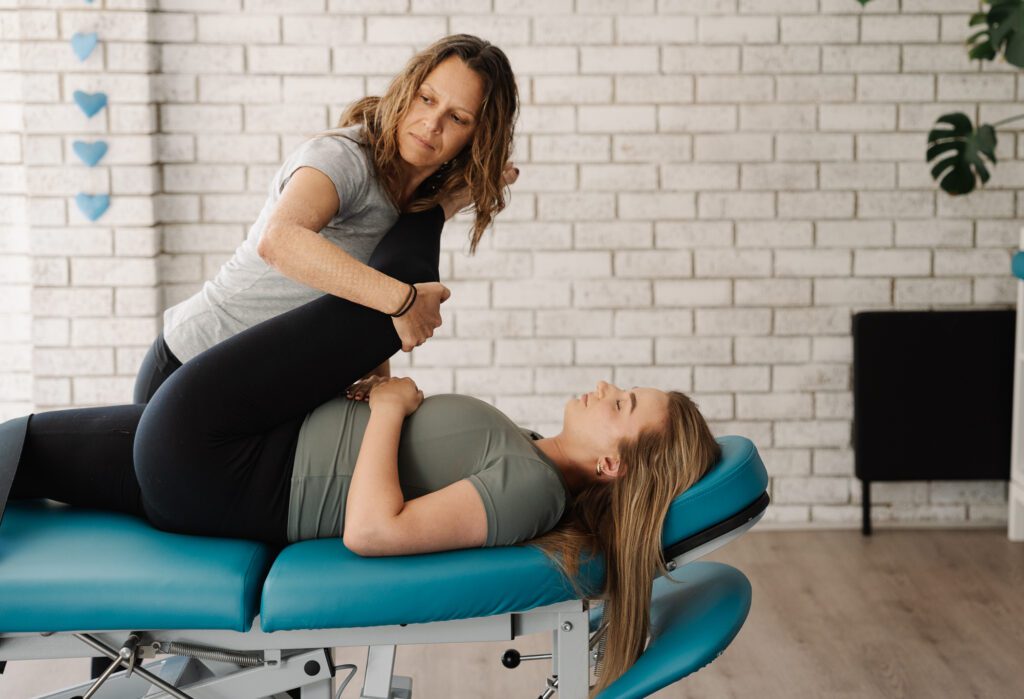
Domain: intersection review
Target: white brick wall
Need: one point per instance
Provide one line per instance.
(86, 279)
(16, 263)
(708, 191)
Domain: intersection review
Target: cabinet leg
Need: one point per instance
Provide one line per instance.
(1016, 524)
(865, 500)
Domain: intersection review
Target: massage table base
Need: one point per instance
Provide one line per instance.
(692, 623)
(300, 660)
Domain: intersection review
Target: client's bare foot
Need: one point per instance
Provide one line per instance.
(457, 201)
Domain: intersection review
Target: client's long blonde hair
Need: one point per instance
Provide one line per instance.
(623, 521)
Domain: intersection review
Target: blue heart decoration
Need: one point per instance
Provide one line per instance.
(90, 102)
(83, 44)
(90, 153)
(92, 205)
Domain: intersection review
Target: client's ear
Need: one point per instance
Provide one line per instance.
(612, 467)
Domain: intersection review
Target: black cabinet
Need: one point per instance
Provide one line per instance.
(932, 396)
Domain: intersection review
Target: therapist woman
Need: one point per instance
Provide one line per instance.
(441, 134)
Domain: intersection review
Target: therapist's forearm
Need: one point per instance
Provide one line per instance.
(308, 258)
(374, 494)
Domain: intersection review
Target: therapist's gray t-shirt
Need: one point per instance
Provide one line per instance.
(247, 290)
(448, 438)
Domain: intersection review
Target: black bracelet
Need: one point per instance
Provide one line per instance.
(405, 302)
(411, 303)
(410, 300)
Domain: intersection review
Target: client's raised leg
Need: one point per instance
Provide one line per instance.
(226, 421)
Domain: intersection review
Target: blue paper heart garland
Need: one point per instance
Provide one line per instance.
(90, 102)
(90, 153)
(84, 44)
(92, 205)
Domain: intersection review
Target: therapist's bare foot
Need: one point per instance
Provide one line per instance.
(457, 201)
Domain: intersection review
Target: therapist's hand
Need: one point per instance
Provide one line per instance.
(397, 394)
(418, 323)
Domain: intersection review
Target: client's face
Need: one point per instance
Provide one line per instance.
(443, 115)
(609, 413)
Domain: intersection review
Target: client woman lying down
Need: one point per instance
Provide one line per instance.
(253, 438)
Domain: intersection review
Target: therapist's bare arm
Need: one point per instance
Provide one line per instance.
(292, 245)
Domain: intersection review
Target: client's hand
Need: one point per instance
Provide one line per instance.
(396, 392)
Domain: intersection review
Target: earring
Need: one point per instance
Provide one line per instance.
(600, 468)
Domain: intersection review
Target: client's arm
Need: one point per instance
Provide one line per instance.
(378, 520)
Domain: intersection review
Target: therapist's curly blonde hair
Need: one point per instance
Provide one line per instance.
(480, 164)
(622, 520)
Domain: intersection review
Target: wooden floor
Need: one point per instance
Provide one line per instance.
(901, 614)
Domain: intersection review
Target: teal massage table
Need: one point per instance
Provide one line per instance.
(234, 619)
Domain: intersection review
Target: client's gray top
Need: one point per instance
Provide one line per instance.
(448, 438)
(247, 290)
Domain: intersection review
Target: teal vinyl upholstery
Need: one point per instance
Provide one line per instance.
(1017, 264)
(738, 479)
(70, 569)
(348, 591)
(692, 622)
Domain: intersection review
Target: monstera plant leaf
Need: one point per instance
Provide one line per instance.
(1005, 32)
(957, 173)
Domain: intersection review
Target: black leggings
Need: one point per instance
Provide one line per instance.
(211, 454)
(157, 366)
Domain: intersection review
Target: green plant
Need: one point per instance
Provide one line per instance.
(960, 171)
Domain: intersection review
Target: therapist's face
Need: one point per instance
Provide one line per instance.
(608, 414)
(443, 115)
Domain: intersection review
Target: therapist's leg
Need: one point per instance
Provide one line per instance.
(229, 417)
(157, 365)
(81, 457)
